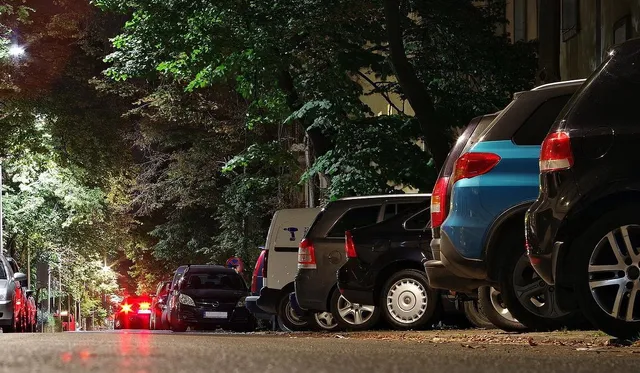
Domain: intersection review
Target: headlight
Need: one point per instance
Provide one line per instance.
(241, 302)
(186, 300)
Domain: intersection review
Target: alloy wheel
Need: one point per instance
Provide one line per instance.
(354, 313)
(325, 320)
(533, 292)
(614, 273)
(292, 317)
(498, 305)
(407, 301)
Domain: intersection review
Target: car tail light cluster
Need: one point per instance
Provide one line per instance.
(254, 279)
(144, 308)
(349, 245)
(474, 164)
(306, 255)
(126, 308)
(556, 153)
(439, 202)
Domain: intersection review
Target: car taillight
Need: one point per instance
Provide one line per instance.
(254, 277)
(349, 246)
(144, 307)
(126, 308)
(555, 153)
(306, 255)
(439, 202)
(474, 164)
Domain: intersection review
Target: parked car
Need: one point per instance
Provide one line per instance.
(22, 300)
(158, 304)
(257, 283)
(583, 231)
(32, 312)
(11, 298)
(208, 297)
(134, 313)
(493, 183)
(322, 253)
(440, 200)
(384, 268)
(285, 233)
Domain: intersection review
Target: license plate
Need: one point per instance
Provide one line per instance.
(215, 315)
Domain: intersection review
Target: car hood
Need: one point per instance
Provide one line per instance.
(220, 295)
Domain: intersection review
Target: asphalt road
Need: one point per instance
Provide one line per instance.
(147, 352)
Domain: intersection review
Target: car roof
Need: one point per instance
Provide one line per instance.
(564, 83)
(386, 196)
(212, 267)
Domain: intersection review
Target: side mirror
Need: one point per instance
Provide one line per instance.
(19, 276)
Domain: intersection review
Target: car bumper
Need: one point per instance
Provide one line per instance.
(311, 292)
(251, 303)
(134, 320)
(269, 299)
(540, 230)
(356, 284)
(451, 271)
(195, 316)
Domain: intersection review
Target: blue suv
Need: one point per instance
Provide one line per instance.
(480, 242)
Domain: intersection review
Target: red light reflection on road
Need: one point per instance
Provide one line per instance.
(66, 357)
(135, 350)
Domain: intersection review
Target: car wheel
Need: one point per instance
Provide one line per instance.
(178, 327)
(288, 320)
(408, 302)
(605, 261)
(353, 316)
(526, 295)
(493, 307)
(323, 321)
(476, 315)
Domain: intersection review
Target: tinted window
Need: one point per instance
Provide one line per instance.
(3, 271)
(219, 281)
(419, 221)
(483, 127)
(355, 218)
(535, 128)
(14, 266)
(392, 210)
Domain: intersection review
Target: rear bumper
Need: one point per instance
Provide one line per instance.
(251, 303)
(311, 292)
(194, 316)
(269, 299)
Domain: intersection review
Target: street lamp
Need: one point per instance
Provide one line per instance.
(16, 50)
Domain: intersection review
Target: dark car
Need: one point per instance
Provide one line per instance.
(208, 297)
(158, 304)
(322, 253)
(583, 231)
(134, 313)
(384, 268)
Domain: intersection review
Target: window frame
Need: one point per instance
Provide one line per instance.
(428, 226)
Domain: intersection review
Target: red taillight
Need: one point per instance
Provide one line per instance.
(349, 246)
(306, 255)
(474, 164)
(439, 206)
(254, 278)
(126, 308)
(556, 153)
(144, 308)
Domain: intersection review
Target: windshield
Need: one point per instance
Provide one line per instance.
(211, 281)
(3, 271)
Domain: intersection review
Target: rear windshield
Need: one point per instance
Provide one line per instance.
(609, 96)
(212, 280)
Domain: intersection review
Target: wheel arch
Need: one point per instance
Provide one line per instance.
(510, 219)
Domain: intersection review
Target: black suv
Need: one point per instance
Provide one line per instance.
(583, 232)
(384, 268)
(322, 253)
(207, 297)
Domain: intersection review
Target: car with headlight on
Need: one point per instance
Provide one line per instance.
(134, 313)
(209, 297)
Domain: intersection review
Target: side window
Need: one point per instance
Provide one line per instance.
(3, 272)
(535, 128)
(405, 207)
(354, 218)
(419, 221)
(390, 210)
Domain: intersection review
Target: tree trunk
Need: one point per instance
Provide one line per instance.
(435, 137)
(548, 42)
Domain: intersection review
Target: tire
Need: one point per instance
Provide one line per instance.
(287, 318)
(492, 306)
(323, 322)
(475, 314)
(353, 316)
(407, 301)
(529, 299)
(593, 248)
(178, 327)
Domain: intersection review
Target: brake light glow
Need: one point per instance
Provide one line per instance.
(126, 308)
(306, 255)
(144, 308)
(439, 202)
(474, 164)
(349, 245)
(555, 153)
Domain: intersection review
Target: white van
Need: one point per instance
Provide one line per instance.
(288, 228)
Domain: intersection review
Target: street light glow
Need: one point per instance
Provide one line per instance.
(16, 50)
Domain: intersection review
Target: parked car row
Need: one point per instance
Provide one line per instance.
(18, 312)
(558, 159)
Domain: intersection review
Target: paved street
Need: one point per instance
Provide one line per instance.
(146, 352)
